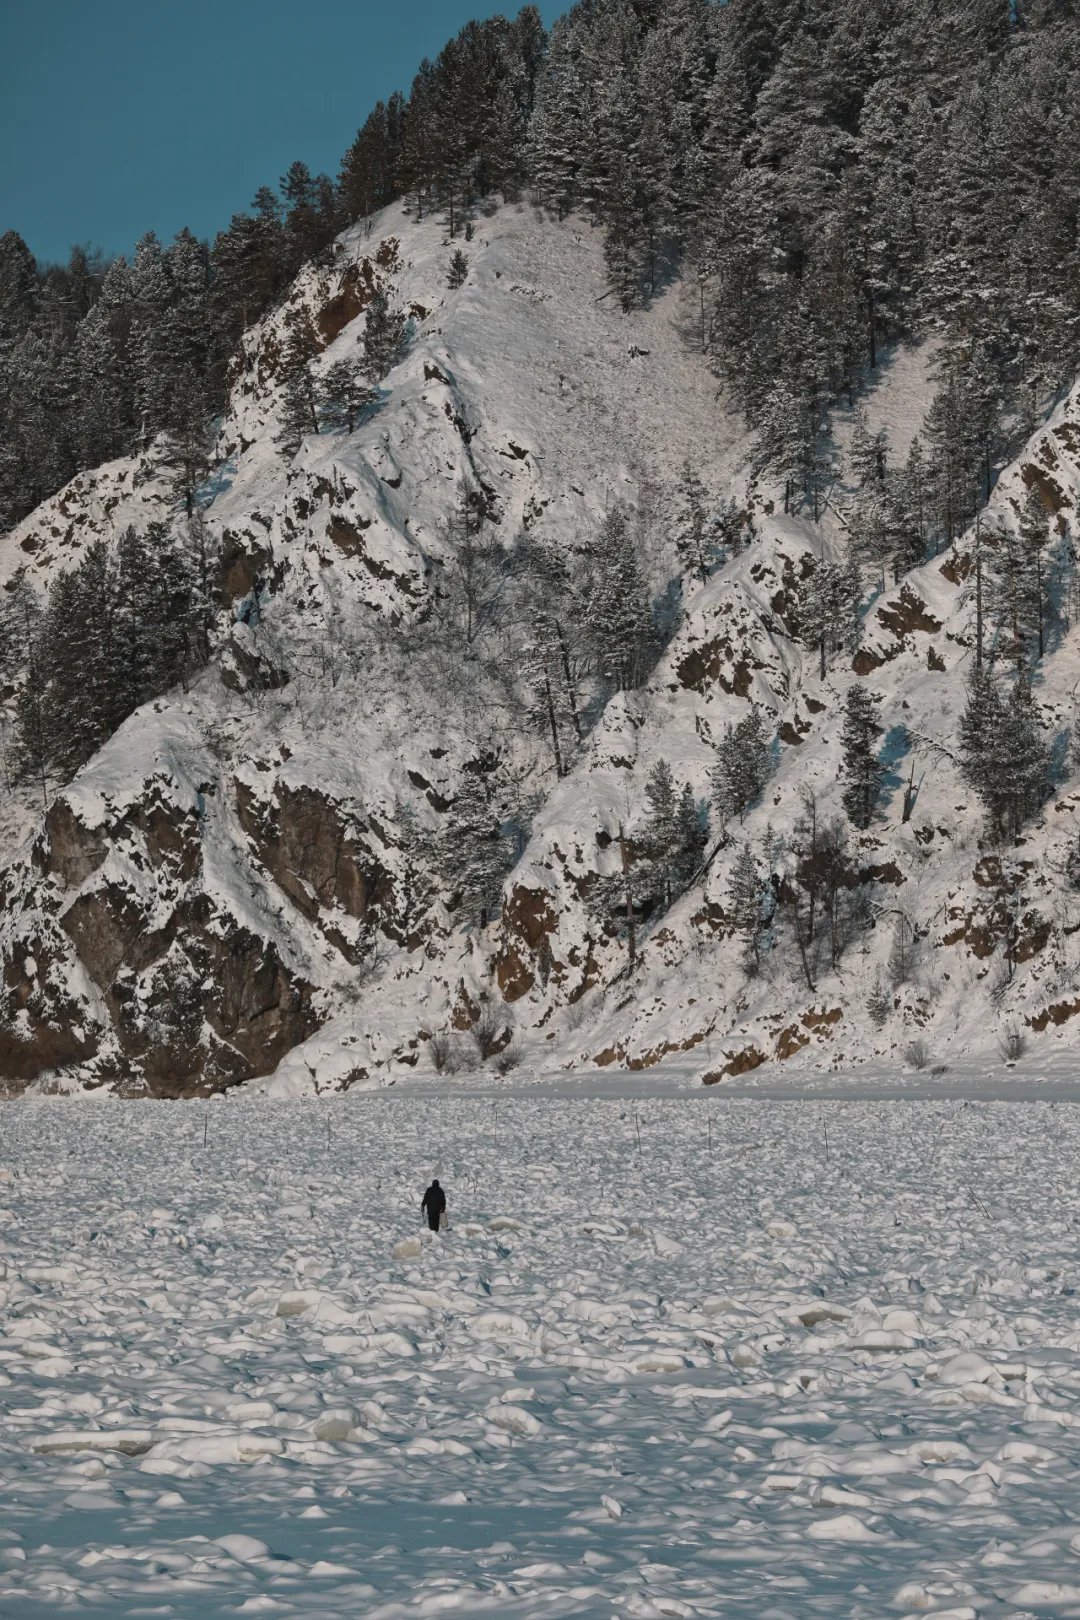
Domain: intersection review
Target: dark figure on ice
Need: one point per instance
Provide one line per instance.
(434, 1204)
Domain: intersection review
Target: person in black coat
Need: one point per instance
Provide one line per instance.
(433, 1204)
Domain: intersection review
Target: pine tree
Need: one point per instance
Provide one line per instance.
(1023, 761)
(476, 567)
(19, 287)
(303, 225)
(692, 535)
(23, 650)
(868, 454)
(550, 687)
(235, 292)
(980, 726)
(188, 448)
(134, 627)
(879, 1003)
(1002, 754)
(1035, 537)
(118, 630)
(473, 854)
(745, 905)
(384, 333)
(302, 345)
(882, 530)
(554, 650)
(690, 840)
(662, 837)
(342, 395)
(84, 701)
(730, 527)
(623, 255)
(828, 609)
(103, 384)
(152, 377)
(913, 487)
(742, 766)
(618, 899)
(902, 952)
(861, 771)
(297, 415)
(271, 268)
(183, 345)
(458, 271)
(1014, 588)
(617, 608)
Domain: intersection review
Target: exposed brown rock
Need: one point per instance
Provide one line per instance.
(257, 1006)
(103, 925)
(1048, 489)
(1032, 936)
(466, 1011)
(243, 560)
(817, 1020)
(957, 567)
(886, 872)
(53, 1042)
(789, 1041)
(52, 1031)
(708, 665)
(794, 730)
(348, 536)
(711, 916)
(170, 833)
(904, 614)
(737, 1063)
(1058, 1013)
(529, 920)
(163, 987)
(434, 797)
(74, 850)
(302, 838)
(650, 1058)
(355, 292)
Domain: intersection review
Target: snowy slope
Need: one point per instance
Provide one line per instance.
(231, 889)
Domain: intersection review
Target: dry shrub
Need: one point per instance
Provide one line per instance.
(917, 1053)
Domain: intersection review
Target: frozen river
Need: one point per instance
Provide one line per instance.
(765, 1357)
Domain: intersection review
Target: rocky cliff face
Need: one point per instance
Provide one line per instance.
(243, 882)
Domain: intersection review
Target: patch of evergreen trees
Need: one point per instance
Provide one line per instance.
(656, 862)
(840, 176)
(119, 629)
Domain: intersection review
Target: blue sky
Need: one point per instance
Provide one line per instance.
(122, 116)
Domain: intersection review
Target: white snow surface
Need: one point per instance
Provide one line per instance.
(674, 1357)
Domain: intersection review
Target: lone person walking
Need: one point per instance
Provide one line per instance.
(433, 1205)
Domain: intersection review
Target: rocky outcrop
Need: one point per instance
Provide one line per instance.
(129, 970)
(529, 920)
(325, 859)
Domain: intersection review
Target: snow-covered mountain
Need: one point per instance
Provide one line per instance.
(241, 884)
